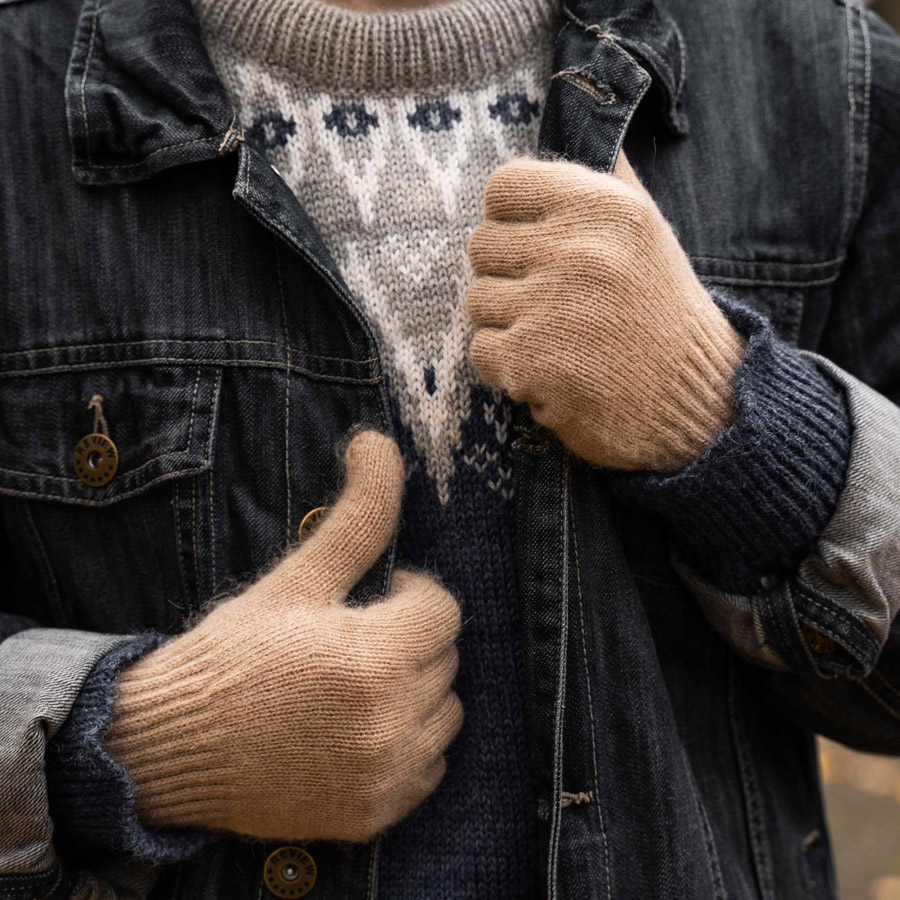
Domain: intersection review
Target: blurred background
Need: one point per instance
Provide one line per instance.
(888, 9)
(862, 793)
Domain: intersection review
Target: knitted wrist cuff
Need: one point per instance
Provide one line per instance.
(169, 738)
(699, 400)
(91, 794)
(752, 506)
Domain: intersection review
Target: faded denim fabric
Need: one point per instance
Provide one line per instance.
(43, 670)
(151, 256)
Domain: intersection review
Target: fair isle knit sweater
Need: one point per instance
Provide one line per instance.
(386, 127)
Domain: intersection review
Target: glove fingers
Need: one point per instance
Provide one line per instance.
(361, 526)
(522, 190)
(498, 302)
(508, 249)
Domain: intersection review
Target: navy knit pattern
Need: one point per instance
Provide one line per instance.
(476, 836)
(91, 795)
(746, 512)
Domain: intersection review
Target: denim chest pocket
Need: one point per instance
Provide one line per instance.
(96, 539)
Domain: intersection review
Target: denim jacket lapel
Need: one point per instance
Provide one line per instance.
(141, 92)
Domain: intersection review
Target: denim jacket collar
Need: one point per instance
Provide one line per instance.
(647, 32)
(142, 95)
(141, 92)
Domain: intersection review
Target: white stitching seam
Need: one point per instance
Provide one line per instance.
(201, 341)
(84, 76)
(587, 676)
(185, 449)
(143, 361)
(287, 394)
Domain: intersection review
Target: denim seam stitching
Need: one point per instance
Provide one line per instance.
(860, 632)
(204, 140)
(556, 812)
(835, 618)
(587, 677)
(829, 629)
(837, 260)
(84, 77)
(213, 571)
(287, 394)
(194, 536)
(236, 341)
(682, 75)
(858, 114)
(179, 544)
(371, 875)
(68, 479)
(249, 363)
(762, 863)
(87, 135)
(784, 636)
(107, 501)
(762, 282)
(49, 575)
(713, 866)
(808, 841)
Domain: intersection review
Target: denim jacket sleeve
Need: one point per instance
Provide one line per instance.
(829, 632)
(856, 566)
(42, 671)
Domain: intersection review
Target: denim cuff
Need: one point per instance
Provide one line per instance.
(91, 795)
(746, 513)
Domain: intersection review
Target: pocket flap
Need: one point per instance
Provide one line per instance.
(161, 420)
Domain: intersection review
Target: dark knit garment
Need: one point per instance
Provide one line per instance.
(92, 801)
(477, 833)
(748, 510)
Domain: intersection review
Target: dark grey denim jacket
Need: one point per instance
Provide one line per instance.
(670, 716)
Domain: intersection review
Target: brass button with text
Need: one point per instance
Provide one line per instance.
(96, 459)
(310, 520)
(290, 872)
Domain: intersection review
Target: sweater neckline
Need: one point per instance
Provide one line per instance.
(452, 44)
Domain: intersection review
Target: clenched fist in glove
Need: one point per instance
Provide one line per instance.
(285, 713)
(588, 310)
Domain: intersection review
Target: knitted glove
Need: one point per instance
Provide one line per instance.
(588, 310)
(287, 714)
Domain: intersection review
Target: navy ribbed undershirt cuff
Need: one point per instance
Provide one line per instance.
(753, 505)
(92, 798)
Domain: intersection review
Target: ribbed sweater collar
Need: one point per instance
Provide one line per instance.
(451, 44)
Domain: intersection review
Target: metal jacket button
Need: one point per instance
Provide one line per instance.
(310, 520)
(96, 459)
(290, 872)
(820, 644)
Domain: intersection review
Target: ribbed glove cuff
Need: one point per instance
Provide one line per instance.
(748, 510)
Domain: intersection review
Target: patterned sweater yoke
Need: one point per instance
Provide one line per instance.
(387, 126)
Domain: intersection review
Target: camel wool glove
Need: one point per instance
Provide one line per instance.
(588, 310)
(287, 714)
